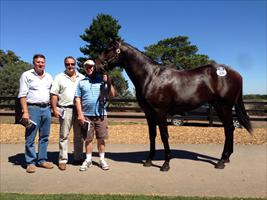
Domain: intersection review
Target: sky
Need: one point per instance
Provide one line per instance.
(229, 32)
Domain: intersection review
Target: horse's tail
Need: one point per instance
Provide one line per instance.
(242, 115)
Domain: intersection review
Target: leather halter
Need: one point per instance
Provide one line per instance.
(114, 58)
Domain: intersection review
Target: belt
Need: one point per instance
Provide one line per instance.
(95, 117)
(69, 106)
(43, 105)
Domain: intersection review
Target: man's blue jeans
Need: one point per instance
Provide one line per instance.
(42, 117)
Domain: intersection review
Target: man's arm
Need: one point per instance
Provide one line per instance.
(25, 115)
(107, 80)
(112, 92)
(54, 100)
(78, 105)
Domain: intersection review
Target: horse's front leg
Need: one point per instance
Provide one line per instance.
(152, 138)
(165, 139)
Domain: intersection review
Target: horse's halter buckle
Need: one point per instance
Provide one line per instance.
(118, 51)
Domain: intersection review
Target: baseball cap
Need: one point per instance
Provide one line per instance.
(89, 62)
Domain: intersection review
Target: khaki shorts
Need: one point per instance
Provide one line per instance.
(98, 126)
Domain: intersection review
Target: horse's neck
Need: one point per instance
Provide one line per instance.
(138, 67)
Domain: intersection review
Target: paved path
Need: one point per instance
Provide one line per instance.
(192, 172)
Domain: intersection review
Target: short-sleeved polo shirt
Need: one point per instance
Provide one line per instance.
(64, 87)
(35, 89)
(89, 91)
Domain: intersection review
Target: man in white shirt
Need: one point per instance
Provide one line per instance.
(34, 94)
(62, 96)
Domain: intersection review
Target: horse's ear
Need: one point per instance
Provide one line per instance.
(114, 42)
(118, 44)
(111, 42)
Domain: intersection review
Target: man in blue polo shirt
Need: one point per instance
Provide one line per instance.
(91, 112)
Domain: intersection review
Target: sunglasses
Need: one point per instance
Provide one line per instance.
(89, 66)
(69, 64)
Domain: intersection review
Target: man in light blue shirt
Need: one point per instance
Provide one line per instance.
(34, 94)
(92, 115)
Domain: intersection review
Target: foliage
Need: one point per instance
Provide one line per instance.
(8, 58)
(120, 83)
(176, 52)
(255, 96)
(11, 69)
(97, 36)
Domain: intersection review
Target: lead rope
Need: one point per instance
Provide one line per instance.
(102, 99)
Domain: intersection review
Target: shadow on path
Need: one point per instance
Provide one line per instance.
(138, 157)
(131, 157)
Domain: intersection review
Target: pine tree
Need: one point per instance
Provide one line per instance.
(97, 36)
(176, 52)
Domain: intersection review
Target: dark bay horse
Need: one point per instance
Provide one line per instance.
(161, 91)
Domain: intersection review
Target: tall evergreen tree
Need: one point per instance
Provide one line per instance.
(177, 52)
(11, 69)
(97, 36)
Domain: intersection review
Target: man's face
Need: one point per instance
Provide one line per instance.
(70, 66)
(39, 65)
(89, 69)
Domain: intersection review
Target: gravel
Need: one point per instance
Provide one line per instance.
(138, 134)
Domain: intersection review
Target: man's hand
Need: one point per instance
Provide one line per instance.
(105, 78)
(25, 118)
(81, 119)
(56, 113)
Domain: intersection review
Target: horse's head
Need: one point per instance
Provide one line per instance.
(109, 58)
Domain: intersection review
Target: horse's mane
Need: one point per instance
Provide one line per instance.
(144, 55)
(149, 60)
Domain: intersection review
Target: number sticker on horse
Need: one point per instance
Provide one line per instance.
(221, 71)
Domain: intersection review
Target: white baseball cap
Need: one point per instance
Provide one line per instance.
(89, 62)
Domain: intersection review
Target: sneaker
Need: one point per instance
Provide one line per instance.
(104, 165)
(86, 165)
(31, 168)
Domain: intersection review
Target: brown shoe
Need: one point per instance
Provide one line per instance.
(62, 166)
(46, 165)
(30, 168)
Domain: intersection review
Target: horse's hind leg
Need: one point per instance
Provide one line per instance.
(152, 138)
(225, 114)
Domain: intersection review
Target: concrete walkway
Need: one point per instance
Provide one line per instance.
(192, 172)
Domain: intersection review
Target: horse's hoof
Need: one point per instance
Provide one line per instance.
(165, 167)
(148, 163)
(220, 165)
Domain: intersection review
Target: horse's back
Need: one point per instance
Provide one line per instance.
(226, 82)
(208, 83)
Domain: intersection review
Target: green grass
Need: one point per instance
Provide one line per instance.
(5, 196)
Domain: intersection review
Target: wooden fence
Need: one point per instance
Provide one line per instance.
(128, 108)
